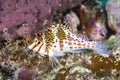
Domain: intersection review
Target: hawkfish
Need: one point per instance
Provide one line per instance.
(58, 39)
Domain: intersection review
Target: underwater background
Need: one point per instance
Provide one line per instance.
(95, 20)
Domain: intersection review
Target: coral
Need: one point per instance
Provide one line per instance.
(102, 66)
(22, 17)
(92, 22)
(75, 66)
(73, 21)
(85, 21)
(25, 73)
(113, 41)
(106, 66)
(113, 7)
(99, 32)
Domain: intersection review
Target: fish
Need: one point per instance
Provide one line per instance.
(58, 39)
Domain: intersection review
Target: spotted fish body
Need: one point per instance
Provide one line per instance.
(58, 39)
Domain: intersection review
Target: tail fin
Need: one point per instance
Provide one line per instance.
(101, 48)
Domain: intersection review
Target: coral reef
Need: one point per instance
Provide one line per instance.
(73, 21)
(113, 7)
(22, 20)
(25, 73)
(99, 31)
(17, 59)
(22, 17)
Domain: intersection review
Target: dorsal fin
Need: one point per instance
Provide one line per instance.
(82, 36)
(61, 25)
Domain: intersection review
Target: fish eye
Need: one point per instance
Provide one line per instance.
(38, 43)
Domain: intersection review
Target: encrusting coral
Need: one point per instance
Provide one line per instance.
(22, 20)
(22, 17)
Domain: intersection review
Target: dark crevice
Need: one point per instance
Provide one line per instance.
(110, 31)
